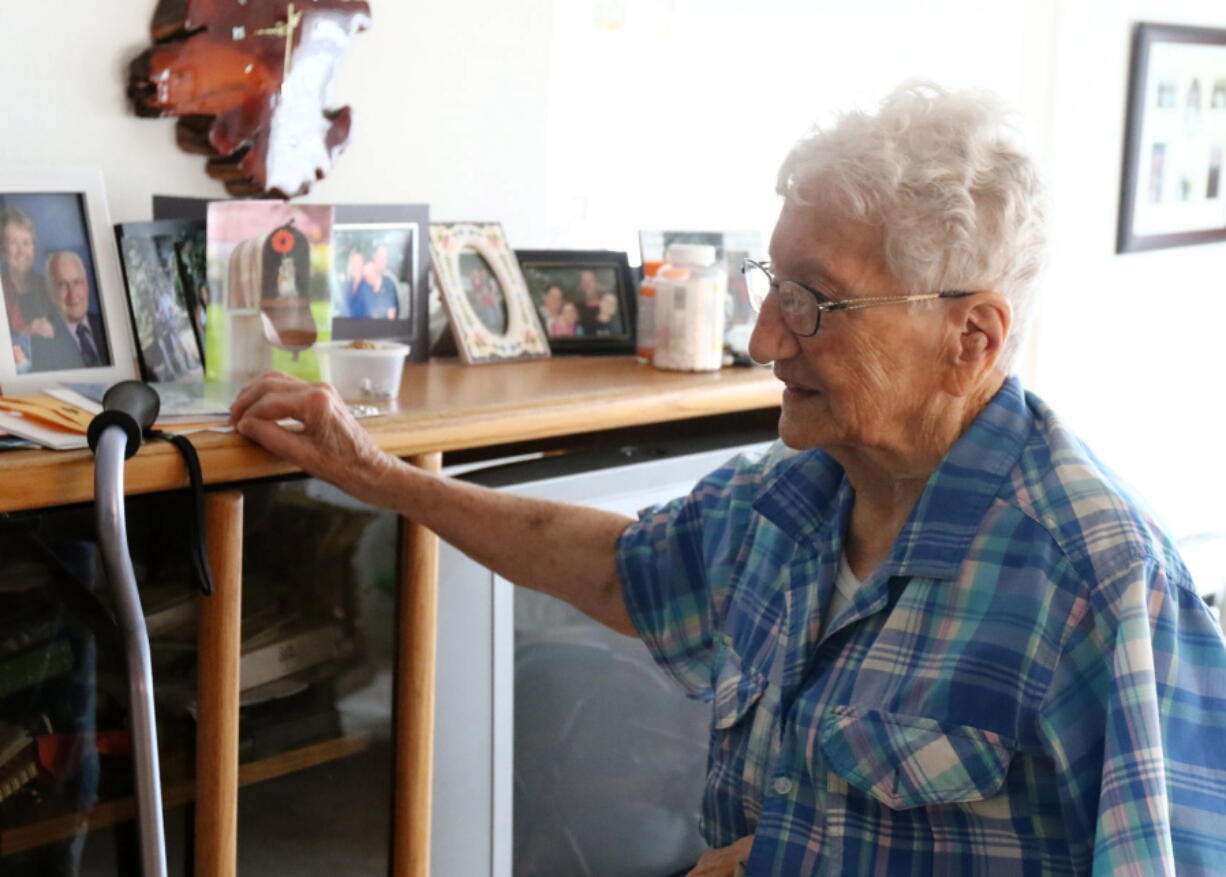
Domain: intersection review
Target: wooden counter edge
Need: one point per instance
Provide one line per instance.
(41, 479)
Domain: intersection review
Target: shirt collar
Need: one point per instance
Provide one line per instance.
(809, 498)
(804, 495)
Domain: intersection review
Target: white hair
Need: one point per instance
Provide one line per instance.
(959, 204)
(56, 255)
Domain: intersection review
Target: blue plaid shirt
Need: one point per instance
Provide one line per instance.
(1028, 684)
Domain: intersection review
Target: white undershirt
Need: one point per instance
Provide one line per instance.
(846, 586)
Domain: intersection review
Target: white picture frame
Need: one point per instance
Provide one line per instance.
(457, 247)
(68, 211)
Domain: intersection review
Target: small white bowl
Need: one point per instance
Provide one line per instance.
(363, 375)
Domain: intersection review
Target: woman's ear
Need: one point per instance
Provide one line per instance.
(981, 327)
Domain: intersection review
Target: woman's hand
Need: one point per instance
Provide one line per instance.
(331, 444)
(725, 861)
(40, 326)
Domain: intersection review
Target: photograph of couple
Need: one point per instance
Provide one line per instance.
(373, 272)
(46, 280)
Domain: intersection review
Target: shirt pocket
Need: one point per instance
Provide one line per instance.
(912, 761)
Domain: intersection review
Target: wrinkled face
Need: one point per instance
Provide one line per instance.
(18, 244)
(865, 380)
(69, 288)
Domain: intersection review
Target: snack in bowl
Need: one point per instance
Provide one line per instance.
(364, 371)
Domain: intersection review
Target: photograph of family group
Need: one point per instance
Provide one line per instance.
(47, 281)
(581, 298)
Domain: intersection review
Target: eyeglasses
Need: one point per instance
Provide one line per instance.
(802, 306)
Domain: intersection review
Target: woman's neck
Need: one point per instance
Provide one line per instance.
(888, 481)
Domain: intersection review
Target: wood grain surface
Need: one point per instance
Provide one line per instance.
(442, 407)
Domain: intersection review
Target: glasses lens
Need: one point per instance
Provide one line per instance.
(799, 308)
(757, 283)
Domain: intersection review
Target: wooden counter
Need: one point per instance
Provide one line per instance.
(442, 407)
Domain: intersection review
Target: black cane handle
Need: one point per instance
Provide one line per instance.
(131, 405)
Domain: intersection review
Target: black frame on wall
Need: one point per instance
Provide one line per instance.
(1169, 121)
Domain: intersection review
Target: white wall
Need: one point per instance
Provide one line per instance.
(679, 117)
(1131, 348)
(448, 102)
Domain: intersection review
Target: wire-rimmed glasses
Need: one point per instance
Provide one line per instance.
(802, 306)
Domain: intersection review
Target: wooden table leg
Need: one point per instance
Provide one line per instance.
(217, 688)
(415, 657)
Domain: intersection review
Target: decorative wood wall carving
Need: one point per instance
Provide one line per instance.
(250, 81)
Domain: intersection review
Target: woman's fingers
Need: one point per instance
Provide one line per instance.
(331, 444)
(266, 383)
(275, 405)
(276, 439)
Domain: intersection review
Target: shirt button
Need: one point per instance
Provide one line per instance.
(782, 785)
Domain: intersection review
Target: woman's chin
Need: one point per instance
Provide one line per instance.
(803, 430)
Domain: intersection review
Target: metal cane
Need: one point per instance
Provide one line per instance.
(129, 409)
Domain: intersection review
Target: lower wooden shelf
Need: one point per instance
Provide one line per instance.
(108, 813)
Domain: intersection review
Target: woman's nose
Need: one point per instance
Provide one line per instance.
(771, 339)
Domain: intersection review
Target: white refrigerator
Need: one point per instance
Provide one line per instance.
(560, 748)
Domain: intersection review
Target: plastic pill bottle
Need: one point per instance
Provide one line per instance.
(691, 290)
(645, 333)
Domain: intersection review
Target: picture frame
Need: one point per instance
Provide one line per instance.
(58, 219)
(491, 315)
(586, 300)
(1172, 192)
(396, 235)
(270, 274)
(732, 247)
(166, 275)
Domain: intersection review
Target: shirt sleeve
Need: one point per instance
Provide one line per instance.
(1135, 721)
(676, 565)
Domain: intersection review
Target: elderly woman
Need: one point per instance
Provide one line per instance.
(27, 303)
(937, 637)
